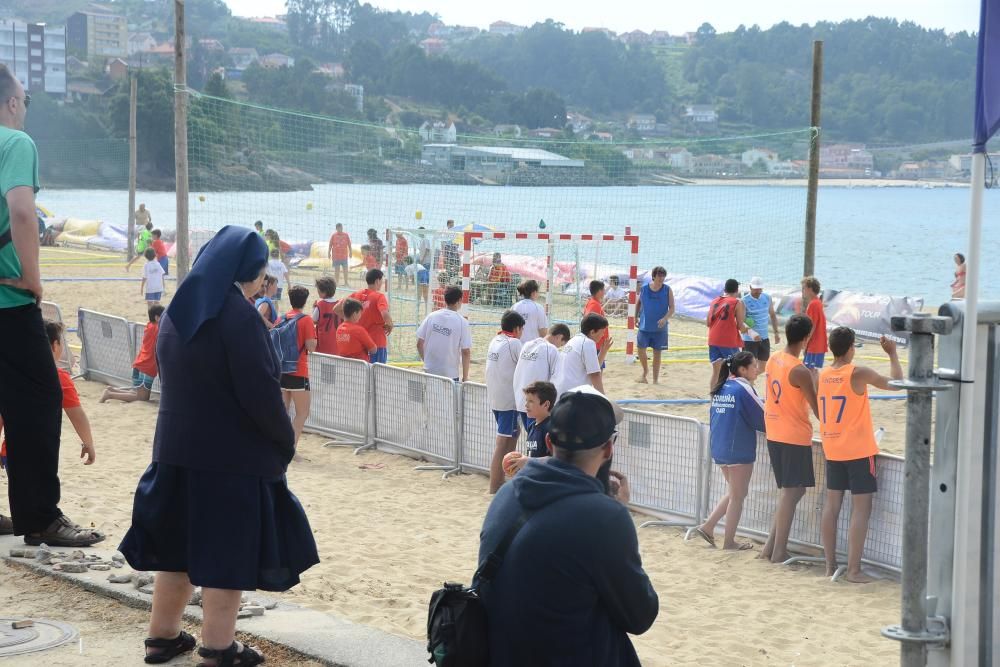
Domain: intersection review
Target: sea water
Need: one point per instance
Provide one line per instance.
(892, 240)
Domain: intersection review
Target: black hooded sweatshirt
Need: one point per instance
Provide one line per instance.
(571, 585)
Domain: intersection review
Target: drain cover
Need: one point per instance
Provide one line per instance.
(44, 634)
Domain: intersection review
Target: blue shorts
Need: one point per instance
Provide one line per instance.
(717, 353)
(140, 379)
(526, 421)
(379, 356)
(277, 296)
(340, 263)
(153, 296)
(165, 263)
(654, 339)
(507, 423)
(813, 359)
(400, 269)
(423, 277)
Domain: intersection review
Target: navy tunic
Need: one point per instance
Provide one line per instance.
(214, 502)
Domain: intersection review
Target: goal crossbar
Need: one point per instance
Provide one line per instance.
(471, 237)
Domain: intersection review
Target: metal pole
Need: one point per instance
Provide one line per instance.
(920, 385)
(181, 142)
(809, 262)
(550, 266)
(132, 97)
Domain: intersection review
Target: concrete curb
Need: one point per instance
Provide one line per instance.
(317, 636)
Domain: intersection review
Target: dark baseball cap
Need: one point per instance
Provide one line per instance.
(583, 418)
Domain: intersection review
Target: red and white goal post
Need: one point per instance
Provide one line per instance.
(471, 237)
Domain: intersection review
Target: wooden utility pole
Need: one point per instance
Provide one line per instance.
(809, 264)
(132, 97)
(183, 244)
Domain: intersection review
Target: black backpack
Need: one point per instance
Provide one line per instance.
(457, 633)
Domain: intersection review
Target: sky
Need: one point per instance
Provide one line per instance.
(674, 16)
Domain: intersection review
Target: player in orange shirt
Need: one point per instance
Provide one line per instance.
(402, 251)
(144, 370)
(295, 386)
(791, 394)
(812, 306)
(849, 445)
(340, 254)
(353, 340)
(70, 401)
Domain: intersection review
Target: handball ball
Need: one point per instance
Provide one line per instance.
(420, 215)
(309, 206)
(541, 224)
(201, 197)
(509, 463)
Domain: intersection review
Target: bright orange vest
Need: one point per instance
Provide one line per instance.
(786, 412)
(845, 417)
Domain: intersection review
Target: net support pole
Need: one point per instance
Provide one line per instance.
(183, 241)
(916, 631)
(132, 97)
(466, 271)
(809, 259)
(633, 292)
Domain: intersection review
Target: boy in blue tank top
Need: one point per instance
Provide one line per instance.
(760, 310)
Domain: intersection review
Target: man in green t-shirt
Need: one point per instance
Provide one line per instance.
(30, 393)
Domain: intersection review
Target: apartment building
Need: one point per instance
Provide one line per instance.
(36, 54)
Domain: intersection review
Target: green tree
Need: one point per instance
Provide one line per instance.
(154, 119)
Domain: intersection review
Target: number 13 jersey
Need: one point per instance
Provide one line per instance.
(845, 417)
(786, 412)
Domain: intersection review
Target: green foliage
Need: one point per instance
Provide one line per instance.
(586, 69)
(154, 118)
(300, 88)
(884, 81)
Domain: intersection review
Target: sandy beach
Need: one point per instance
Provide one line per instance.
(388, 535)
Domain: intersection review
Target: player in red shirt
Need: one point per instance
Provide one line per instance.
(160, 248)
(340, 254)
(726, 321)
(375, 316)
(353, 340)
(325, 315)
(595, 305)
(295, 386)
(438, 294)
(70, 400)
(144, 370)
(402, 252)
(812, 305)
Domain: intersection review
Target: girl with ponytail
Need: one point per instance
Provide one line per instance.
(737, 414)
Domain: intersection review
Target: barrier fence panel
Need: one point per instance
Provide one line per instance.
(341, 397)
(417, 413)
(478, 429)
(883, 547)
(662, 457)
(51, 311)
(107, 347)
(138, 331)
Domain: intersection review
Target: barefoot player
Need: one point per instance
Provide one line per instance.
(849, 445)
(790, 395)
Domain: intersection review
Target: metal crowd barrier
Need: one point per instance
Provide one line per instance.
(107, 347)
(882, 548)
(418, 414)
(478, 429)
(138, 331)
(662, 457)
(341, 398)
(51, 311)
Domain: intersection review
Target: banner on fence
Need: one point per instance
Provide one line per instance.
(107, 347)
(416, 413)
(341, 397)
